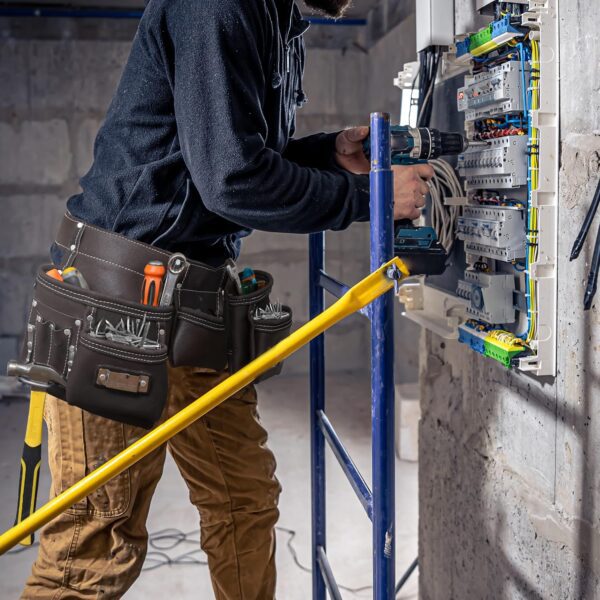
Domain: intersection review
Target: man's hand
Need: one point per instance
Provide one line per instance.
(410, 189)
(349, 150)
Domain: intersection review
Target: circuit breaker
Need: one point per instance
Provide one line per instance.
(502, 303)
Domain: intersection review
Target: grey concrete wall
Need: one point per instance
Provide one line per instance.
(509, 471)
(52, 100)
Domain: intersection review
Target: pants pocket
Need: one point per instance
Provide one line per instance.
(104, 439)
(78, 443)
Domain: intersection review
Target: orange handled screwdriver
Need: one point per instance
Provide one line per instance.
(154, 272)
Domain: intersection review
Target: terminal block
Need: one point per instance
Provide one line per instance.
(501, 165)
(494, 92)
(494, 36)
(493, 232)
(489, 296)
(502, 346)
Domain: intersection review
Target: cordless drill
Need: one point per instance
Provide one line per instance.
(419, 247)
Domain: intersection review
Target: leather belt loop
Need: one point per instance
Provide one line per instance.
(74, 246)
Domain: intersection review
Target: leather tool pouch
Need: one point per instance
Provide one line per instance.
(249, 334)
(218, 330)
(112, 354)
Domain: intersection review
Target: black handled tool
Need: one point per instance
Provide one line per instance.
(592, 281)
(41, 379)
(31, 460)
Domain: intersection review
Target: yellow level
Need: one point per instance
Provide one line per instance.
(359, 296)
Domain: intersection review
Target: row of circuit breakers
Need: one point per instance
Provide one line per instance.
(499, 224)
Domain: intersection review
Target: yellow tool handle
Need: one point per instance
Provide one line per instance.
(31, 461)
(363, 293)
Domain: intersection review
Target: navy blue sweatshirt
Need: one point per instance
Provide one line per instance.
(197, 148)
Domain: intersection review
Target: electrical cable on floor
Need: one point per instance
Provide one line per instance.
(164, 540)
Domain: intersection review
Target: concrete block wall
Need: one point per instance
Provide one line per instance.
(54, 94)
(509, 471)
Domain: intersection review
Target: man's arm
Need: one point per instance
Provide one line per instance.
(218, 76)
(317, 150)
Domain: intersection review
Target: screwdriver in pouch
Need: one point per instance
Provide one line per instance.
(74, 277)
(154, 272)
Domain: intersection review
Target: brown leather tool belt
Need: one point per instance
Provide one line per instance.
(102, 349)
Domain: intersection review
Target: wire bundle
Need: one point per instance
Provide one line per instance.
(429, 60)
(444, 184)
(532, 213)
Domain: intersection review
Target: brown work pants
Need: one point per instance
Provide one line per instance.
(97, 548)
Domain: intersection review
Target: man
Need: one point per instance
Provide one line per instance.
(196, 151)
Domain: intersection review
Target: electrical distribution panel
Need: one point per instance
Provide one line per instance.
(504, 304)
(497, 91)
(435, 23)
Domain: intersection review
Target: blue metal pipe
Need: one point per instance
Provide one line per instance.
(382, 363)
(327, 573)
(356, 480)
(406, 576)
(333, 286)
(316, 250)
(115, 13)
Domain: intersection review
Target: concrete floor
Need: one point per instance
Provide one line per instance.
(284, 411)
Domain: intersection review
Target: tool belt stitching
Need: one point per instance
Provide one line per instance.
(143, 245)
(105, 304)
(109, 262)
(241, 301)
(70, 217)
(51, 345)
(198, 320)
(143, 358)
(271, 327)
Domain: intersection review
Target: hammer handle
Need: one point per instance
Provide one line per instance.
(31, 460)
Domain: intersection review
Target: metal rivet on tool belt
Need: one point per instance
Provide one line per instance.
(79, 225)
(30, 327)
(38, 319)
(78, 323)
(142, 383)
(34, 303)
(67, 332)
(73, 247)
(102, 377)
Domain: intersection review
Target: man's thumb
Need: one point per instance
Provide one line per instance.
(357, 134)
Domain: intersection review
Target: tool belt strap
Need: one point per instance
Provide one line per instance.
(115, 264)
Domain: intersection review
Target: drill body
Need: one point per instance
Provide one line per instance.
(412, 145)
(419, 247)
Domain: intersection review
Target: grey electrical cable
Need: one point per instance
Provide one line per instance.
(445, 184)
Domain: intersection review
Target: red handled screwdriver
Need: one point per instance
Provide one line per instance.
(154, 272)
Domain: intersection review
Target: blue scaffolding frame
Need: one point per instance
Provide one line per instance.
(379, 504)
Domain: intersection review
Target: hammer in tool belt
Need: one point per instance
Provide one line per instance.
(40, 378)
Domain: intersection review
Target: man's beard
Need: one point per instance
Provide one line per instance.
(333, 8)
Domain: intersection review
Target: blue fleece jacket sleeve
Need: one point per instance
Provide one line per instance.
(219, 69)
